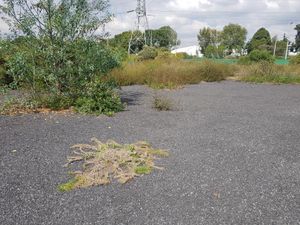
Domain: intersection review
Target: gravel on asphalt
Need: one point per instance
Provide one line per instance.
(235, 159)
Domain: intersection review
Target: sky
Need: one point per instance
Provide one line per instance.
(187, 17)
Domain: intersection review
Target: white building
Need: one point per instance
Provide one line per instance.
(191, 50)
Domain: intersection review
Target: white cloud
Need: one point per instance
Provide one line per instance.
(189, 4)
(272, 4)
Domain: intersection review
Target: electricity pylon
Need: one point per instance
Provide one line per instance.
(138, 35)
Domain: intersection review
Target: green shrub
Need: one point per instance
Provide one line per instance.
(61, 77)
(256, 56)
(56, 102)
(99, 98)
(261, 55)
(5, 79)
(2, 76)
(147, 53)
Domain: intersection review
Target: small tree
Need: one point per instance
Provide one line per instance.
(261, 40)
(60, 20)
(164, 37)
(122, 40)
(234, 37)
(208, 37)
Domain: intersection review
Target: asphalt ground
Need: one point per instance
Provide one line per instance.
(235, 159)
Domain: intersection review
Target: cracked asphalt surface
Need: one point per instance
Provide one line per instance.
(235, 159)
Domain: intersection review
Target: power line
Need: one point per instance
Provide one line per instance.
(138, 36)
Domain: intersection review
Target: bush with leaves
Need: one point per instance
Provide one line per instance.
(99, 98)
(5, 78)
(58, 54)
(257, 56)
(147, 53)
(261, 55)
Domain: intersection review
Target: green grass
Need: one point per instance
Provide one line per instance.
(69, 186)
(143, 170)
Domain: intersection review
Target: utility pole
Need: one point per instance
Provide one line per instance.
(138, 35)
(275, 46)
(287, 49)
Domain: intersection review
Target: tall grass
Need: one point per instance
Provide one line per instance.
(264, 72)
(173, 73)
(170, 73)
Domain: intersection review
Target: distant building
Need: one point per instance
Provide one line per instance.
(293, 53)
(191, 50)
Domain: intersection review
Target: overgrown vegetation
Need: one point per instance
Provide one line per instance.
(170, 72)
(103, 162)
(266, 72)
(147, 53)
(295, 60)
(257, 56)
(56, 57)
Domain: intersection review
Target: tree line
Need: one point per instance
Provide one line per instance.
(164, 37)
(232, 39)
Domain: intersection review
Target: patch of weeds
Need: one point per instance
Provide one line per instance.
(69, 186)
(14, 106)
(103, 162)
(162, 103)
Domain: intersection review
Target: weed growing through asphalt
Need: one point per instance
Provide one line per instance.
(103, 162)
(161, 103)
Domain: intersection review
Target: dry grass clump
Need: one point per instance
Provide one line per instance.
(162, 103)
(170, 73)
(104, 162)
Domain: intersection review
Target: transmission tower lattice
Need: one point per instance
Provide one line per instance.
(138, 35)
